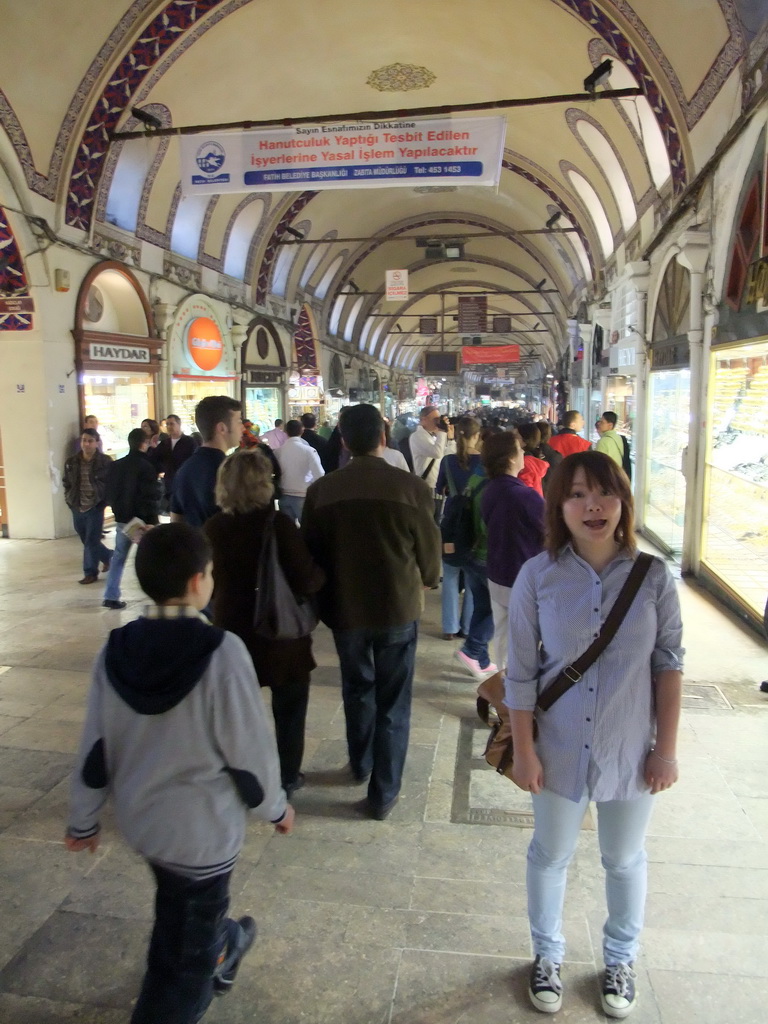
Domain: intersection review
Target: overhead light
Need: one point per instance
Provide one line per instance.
(536, 326)
(541, 284)
(553, 219)
(599, 76)
(353, 286)
(454, 250)
(146, 118)
(293, 231)
(398, 327)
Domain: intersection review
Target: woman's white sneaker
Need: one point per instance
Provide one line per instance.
(545, 987)
(619, 996)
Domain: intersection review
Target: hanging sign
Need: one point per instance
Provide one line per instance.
(490, 354)
(397, 284)
(473, 314)
(374, 154)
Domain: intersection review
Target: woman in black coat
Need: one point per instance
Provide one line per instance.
(244, 492)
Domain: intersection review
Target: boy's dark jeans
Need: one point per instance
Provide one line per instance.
(189, 935)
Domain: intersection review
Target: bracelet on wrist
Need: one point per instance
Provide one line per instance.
(664, 760)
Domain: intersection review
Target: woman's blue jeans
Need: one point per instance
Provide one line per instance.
(481, 626)
(450, 602)
(621, 828)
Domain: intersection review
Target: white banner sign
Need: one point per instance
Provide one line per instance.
(462, 151)
(397, 284)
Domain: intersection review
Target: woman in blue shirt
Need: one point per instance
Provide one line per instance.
(612, 737)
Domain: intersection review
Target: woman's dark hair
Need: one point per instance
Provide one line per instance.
(545, 429)
(152, 425)
(498, 449)
(601, 472)
(530, 434)
(467, 427)
(167, 558)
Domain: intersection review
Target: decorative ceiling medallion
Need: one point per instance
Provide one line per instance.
(400, 78)
(427, 189)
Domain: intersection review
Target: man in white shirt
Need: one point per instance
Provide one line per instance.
(276, 437)
(299, 467)
(428, 443)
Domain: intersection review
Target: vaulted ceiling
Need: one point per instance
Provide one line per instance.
(609, 168)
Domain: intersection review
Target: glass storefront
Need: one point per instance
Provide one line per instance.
(305, 398)
(186, 393)
(735, 535)
(669, 421)
(120, 402)
(620, 398)
(262, 407)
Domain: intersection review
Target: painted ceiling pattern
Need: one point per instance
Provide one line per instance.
(561, 172)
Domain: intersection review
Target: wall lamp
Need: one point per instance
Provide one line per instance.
(553, 220)
(147, 119)
(599, 76)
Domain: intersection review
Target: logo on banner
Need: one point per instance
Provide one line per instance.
(204, 343)
(210, 158)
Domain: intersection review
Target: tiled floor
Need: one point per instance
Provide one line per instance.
(416, 920)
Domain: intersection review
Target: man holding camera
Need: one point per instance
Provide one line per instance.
(428, 443)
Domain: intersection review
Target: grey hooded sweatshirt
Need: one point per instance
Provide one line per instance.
(177, 733)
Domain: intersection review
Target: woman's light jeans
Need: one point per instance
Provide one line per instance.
(621, 827)
(450, 601)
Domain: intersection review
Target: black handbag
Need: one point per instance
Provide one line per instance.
(278, 614)
(499, 752)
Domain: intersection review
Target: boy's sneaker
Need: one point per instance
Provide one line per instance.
(619, 996)
(545, 987)
(233, 954)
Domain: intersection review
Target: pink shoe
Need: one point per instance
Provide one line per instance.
(473, 666)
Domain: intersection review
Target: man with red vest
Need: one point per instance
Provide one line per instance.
(567, 441)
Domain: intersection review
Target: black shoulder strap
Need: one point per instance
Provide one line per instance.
(573, 673)
(428, 470)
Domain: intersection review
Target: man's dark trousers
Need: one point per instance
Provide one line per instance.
(190, 932)
(376, 683)
(88, 526)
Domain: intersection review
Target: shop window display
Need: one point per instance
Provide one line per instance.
(120, 403)
(262, 407)
(735, 539)
(185, 395)
(669, 414)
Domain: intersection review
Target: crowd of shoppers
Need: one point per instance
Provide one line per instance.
(539, 576)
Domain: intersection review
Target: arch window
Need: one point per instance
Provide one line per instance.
(316, 258)
(338, 306)
(187, 225)
(375, 337)
(240, 238)
(592, 202)
(133, 166)
(640, 113)
(744, 244)
(325, 281)
(285, 261)
(367, 328)
(354, 313)
(605, 158)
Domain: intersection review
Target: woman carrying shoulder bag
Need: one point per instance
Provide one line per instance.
(244, 491)
(611, 738)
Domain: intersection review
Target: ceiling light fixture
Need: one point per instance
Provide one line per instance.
(599, 76)
(541, 284)
(293, 231)
(553, 219)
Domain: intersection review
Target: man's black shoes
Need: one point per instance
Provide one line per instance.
(114, 605)
(237, 946)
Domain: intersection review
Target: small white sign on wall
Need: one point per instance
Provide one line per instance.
(397, 284)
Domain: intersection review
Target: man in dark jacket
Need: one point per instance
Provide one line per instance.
(313, 439)
(371, 528)
(177, 448)
(133, 492)
(85, 482)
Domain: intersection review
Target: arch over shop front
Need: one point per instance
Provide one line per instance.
(117, 353)
(264, 374)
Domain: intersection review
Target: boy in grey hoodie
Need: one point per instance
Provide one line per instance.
(177, 733)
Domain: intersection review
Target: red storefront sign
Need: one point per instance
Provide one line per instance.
(490, 354)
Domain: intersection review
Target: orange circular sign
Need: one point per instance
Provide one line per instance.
(204, 343)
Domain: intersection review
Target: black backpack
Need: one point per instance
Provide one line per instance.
(404, 446)
(458, 523)
(626, 462)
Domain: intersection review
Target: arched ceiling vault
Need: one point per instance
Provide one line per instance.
(599, 165)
